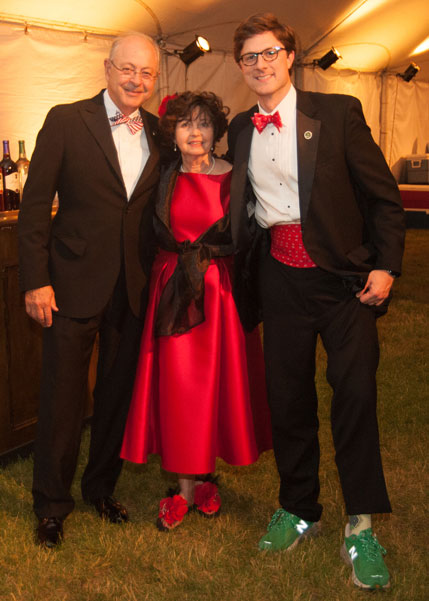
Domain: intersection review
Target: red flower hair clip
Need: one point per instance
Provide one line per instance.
(163, 106)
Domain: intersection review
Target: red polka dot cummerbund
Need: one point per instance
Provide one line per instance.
(287, 246)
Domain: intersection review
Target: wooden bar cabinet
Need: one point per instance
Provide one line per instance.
(20, 351)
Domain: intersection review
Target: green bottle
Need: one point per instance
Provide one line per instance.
(22, 165)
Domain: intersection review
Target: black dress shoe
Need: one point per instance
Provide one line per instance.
(50, 532)
(110, 509)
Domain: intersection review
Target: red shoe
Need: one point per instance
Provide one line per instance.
(172, 510)
(207, 499)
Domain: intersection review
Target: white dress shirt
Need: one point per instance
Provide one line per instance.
(273, 167)
(133, 149)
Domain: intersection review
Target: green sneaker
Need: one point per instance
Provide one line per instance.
(365, 554)
(286, 530)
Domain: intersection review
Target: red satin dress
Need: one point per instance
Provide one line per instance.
(201, 394)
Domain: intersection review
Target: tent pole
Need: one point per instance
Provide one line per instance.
(163, 88)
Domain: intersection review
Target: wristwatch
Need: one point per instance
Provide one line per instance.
(394, 274)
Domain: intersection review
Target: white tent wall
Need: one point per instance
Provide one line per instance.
(365, 86)
(41, 68)
(396, 111)
(405, 122)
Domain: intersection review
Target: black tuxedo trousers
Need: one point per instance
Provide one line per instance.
(299, 305)
(67, 348)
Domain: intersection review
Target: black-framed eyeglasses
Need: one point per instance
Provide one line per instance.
(130, 72)
(269, 54)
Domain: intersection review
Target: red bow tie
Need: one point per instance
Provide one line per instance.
(134, 124)
(260, 121)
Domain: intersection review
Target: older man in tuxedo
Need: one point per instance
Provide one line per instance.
(329, 215)
(84, 273)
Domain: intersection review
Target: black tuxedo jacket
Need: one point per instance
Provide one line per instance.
(95, 228)
(351, 210)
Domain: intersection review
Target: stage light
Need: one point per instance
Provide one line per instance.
(194, 50)
(409, 72)
(328, 59)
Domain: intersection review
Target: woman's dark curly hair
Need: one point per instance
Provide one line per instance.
(182, 106)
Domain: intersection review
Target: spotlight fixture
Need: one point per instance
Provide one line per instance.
(194, 50)
(328, 59)
(409, 72)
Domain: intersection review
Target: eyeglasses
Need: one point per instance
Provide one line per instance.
(130, 72)
(269, 54)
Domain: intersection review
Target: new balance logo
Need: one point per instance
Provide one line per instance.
(301, 526)
(353, 553)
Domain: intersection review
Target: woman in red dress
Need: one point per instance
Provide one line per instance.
(200, 386)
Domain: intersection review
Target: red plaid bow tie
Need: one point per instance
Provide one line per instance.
(260, 121)
(134, 124)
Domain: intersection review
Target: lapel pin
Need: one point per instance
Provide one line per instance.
(308, 135)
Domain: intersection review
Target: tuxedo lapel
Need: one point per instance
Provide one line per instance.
(307, 133)
(238, 208)
(94, 114)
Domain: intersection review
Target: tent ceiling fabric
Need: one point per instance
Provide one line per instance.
(371, 35)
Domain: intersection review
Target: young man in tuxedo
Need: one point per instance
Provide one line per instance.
(307, 169)
(84, 273)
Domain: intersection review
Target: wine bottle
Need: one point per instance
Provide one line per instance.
(10, 180)
(22, 165)
(1, 192)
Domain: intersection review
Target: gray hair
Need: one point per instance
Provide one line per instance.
(117, 41)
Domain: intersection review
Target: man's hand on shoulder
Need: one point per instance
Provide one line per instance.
(377, 288)
(39, 304)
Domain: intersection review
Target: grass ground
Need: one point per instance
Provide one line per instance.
(218, 560)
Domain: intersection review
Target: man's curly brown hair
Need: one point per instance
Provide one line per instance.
(182, 106)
